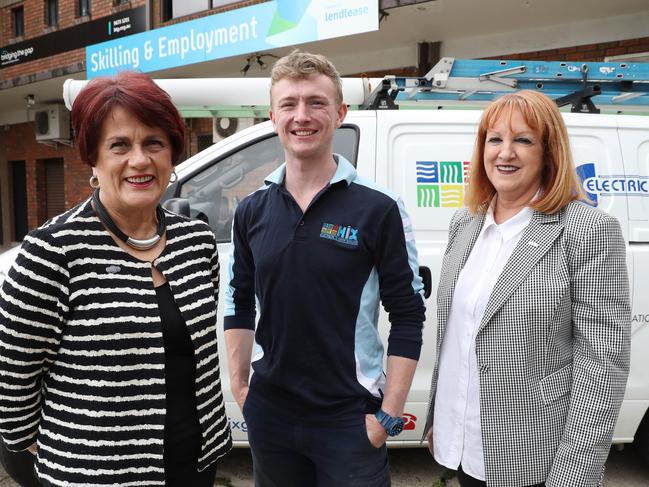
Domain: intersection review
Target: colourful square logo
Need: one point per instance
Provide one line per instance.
(440, 184)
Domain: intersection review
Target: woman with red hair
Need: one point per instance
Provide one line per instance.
(109, 367)
(533, 313)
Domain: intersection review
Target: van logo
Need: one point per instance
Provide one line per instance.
(340, 233)
(409, 421)
(596, 185)
(441, 183)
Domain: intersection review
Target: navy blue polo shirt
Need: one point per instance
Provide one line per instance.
(317, 279)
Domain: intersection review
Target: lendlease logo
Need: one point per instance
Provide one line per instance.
(441, 183)
(596, 185)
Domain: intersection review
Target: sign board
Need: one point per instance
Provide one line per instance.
(114, 26)
(256, 28)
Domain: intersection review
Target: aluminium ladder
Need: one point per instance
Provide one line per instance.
(583, 85)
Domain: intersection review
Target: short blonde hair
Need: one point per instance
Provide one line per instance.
(559, 184)
(298, 65)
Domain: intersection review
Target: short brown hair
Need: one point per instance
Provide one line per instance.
(559, 184)
(298, 65)
(137, 94)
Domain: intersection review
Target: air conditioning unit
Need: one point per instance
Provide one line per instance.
(52, 123)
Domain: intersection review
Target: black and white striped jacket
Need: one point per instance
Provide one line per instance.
(82, 355)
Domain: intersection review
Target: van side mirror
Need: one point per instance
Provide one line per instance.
(180, 206)
(427, 277)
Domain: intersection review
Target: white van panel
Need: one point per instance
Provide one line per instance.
(635, 153)
(596, 152)
(366, 125)
(410, 146)
(424, 157)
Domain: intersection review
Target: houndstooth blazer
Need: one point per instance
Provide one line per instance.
(552, 348)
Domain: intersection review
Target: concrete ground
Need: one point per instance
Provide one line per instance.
(415, 468)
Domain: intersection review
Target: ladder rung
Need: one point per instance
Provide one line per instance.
(620, 84)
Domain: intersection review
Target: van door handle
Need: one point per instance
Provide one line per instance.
(427, 277)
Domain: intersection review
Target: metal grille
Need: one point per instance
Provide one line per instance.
(203, 141)
(54, 187)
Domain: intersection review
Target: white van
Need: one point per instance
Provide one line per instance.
(611, 153)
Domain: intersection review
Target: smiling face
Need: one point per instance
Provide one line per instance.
(133, 164)
(305, 114)
(513, 159)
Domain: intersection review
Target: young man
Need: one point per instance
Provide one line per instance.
(317, 248)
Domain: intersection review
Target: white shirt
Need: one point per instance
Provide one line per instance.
(456, 423)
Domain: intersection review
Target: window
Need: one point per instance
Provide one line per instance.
(216, 191)
(83, 8)
(18, 177)
(203, 141)
(638, 57)
(54, 187)
(18, 21)
(51, 13)
(122, 2)
(173, 9)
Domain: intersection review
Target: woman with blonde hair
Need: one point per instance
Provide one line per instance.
(533, 313)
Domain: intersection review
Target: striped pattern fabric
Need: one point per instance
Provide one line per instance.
(82, 353)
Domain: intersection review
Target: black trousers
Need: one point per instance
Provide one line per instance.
(19, 466)
(468, 481)
(288, 451)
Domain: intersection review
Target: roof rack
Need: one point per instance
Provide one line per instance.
(618, 87)
(583, 86)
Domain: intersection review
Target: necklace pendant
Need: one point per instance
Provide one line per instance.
(135, 243)
(143, 244)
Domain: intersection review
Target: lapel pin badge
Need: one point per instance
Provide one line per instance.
(113, 269)
(532, 243)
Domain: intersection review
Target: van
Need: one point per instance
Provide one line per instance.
(611, 153)
(392, 147)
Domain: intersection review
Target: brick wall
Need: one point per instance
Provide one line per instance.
(587, 52)
(6, 27)
(34, 15)
(21, 145)
(404, 71)
(157, 12)
(196, 127)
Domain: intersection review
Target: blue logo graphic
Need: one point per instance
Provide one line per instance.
(427, 172)
(596, 185)
(340, 233)
(585, 172)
